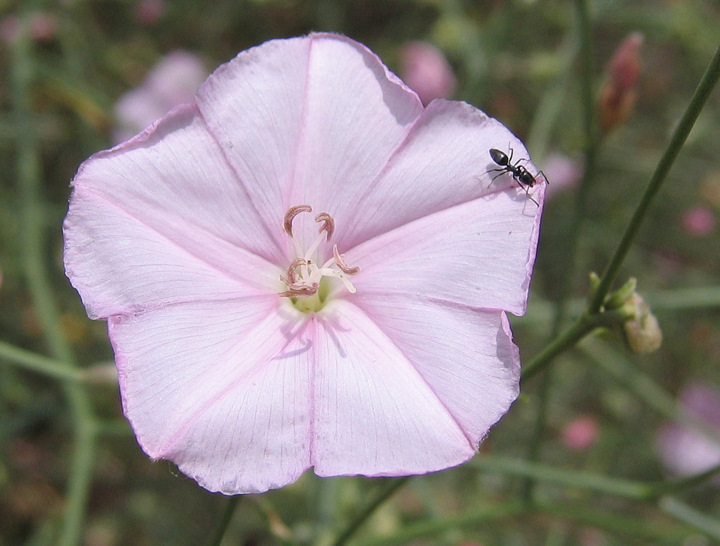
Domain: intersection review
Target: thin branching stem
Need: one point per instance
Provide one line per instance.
(682, 512)
(658, 532)
(387, 492)
(572, 231)
(583, 324)
(224, 520)
(30, 360)
(35, 269)
(617, 365)
(700, 97)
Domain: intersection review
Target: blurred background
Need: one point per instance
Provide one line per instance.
(79, 76)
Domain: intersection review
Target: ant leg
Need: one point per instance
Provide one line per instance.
(500, 171)
(527, 192)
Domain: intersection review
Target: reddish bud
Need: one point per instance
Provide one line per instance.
(618, 94)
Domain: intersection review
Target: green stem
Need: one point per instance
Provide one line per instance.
(224, 521)
(38, 363)
(681, 299)
(659, 532)
(691, 481)
(577, 219)
(598, 483)
(690, 516)
(576, 331)
(387, 492)
(582, 326)
(702, 93)
(655, 493)
(654, 531)
(425, 528)
(572, 231)
(34, 253)
(642, 386)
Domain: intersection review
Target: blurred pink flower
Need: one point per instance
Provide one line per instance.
(9, 28)
(149, 12)
(580, 433)
(426, 70)
(686, 451)
(562, 172)
(171, 82)
(255, 340)
(41, 25)
(699, 221)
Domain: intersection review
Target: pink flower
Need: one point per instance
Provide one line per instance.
(686, 451)
(255, 339)
(42, 27)
(564, 173)
(580, 433)
(699, 221)
(426, 71)
(171, 82)
(149, 12)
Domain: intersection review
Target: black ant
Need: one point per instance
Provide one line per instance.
(519, 173)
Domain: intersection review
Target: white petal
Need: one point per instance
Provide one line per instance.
(309, 120)
(444, 162)
(375, 414)
(221, 388)
(466, 356)
(356, 114)
(174, 178)
(120, 266)
(478, 254)
(161, 219)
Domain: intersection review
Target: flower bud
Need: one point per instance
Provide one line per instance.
(618, 94)
(621, 296)
(642, 333)
(594, 283)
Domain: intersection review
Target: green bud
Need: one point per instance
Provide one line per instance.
(623, 295)
(594, 283)
(642, 333)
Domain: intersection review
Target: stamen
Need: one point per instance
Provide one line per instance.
(296, 281)
(305, 278)
(300, 291)
(328, 224)
(291, 214)
(340, 262)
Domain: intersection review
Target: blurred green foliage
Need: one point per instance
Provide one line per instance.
(518, 61)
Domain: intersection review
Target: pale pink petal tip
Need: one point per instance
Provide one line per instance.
(303, 267)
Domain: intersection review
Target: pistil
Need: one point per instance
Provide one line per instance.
(305, 278)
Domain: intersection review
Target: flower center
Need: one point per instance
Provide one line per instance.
(308, 283)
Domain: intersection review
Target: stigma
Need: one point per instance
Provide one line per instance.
(306, 280)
